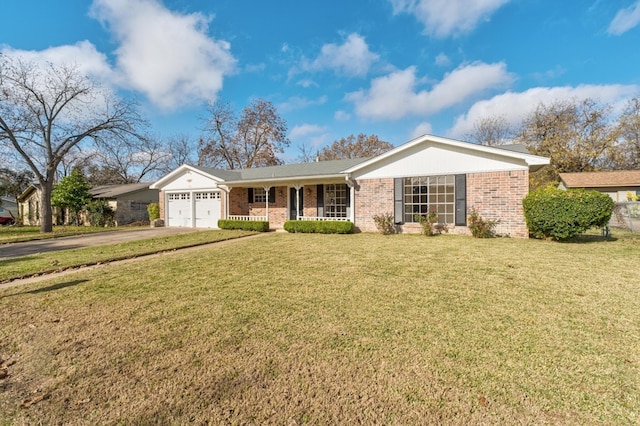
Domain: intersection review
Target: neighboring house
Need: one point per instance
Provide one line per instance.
(129, 202)
(29, 207)
(429, 172)
(617, 184)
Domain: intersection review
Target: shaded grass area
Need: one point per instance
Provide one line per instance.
(60, 260)
(329, 329)
(17, 234)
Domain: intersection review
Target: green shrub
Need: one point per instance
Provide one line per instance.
(100, 213)
(480, 227)
(154, 211)
(429, 223)
(245, 225)
(559, 215)
(384, 223)
(319, 226)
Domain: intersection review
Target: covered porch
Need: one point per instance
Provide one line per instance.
(279, 202)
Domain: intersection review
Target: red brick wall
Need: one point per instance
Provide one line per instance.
(373, 197)
(496, 195)
(239, 205)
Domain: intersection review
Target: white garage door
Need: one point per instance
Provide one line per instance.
(179, 209)
(207, 209)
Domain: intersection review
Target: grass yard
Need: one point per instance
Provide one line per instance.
(60, 260)
(15, 234)
(326, 329)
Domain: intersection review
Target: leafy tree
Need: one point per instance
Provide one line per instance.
(253, 140)
(491, 131)
(46, 111)
(72, 193)
(13, 183)
(360, 146)
(626, 154)
(576, 135)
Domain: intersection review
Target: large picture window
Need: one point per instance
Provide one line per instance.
(425, 193)
(335, 200)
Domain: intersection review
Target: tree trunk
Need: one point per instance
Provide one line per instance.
(46, 211)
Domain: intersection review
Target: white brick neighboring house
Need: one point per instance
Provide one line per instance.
(428, 172)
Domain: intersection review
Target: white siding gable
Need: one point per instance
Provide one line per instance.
(190, 179)
(429, 158)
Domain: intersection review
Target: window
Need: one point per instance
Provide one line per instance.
(335, 200)
(259, 195)
(429, 192)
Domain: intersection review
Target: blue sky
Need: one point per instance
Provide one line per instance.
(394, 68)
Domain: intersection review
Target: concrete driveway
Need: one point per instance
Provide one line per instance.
(88, 240)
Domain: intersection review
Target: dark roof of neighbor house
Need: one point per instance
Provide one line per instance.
(303, 170)
(619, 178)
(114, 191)
(515, 147)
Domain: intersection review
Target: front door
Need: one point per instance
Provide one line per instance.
(292, 203)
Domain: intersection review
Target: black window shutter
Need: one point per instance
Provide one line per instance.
(461, 200)
(348, 196)
(250, 195)
(272, 194)
(398, 200)
(320, 200)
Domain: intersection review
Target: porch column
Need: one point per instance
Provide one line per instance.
(297, 187)
(352, 198)
(226, 189)
(266, 191)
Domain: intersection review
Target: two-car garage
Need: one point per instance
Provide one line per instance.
(193, 209)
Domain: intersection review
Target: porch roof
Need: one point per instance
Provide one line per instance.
(288, 172)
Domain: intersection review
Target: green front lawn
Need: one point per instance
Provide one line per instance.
(333, 329)
(15, 234)
(60, 260)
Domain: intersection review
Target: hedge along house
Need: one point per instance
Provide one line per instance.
(429, 172)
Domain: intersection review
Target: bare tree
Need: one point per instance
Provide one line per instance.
(132, 158)
(491, 131)
(253, 140)
(46, 111)
(306, 153)
(576, 135)
(181, 150)
(360, 146)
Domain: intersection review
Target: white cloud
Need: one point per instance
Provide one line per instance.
(342, 115)
(516, 106)
(422, 129)
(83, 55)
(352, 58)
(304, 130)
(443, 18)
(297, 103)
(165, 55)
(394, 96)
(625, 19)
(442, 60)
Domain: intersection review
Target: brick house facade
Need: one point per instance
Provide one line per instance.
(428, 173)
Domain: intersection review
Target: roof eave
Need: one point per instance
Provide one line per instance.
(246, 182)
